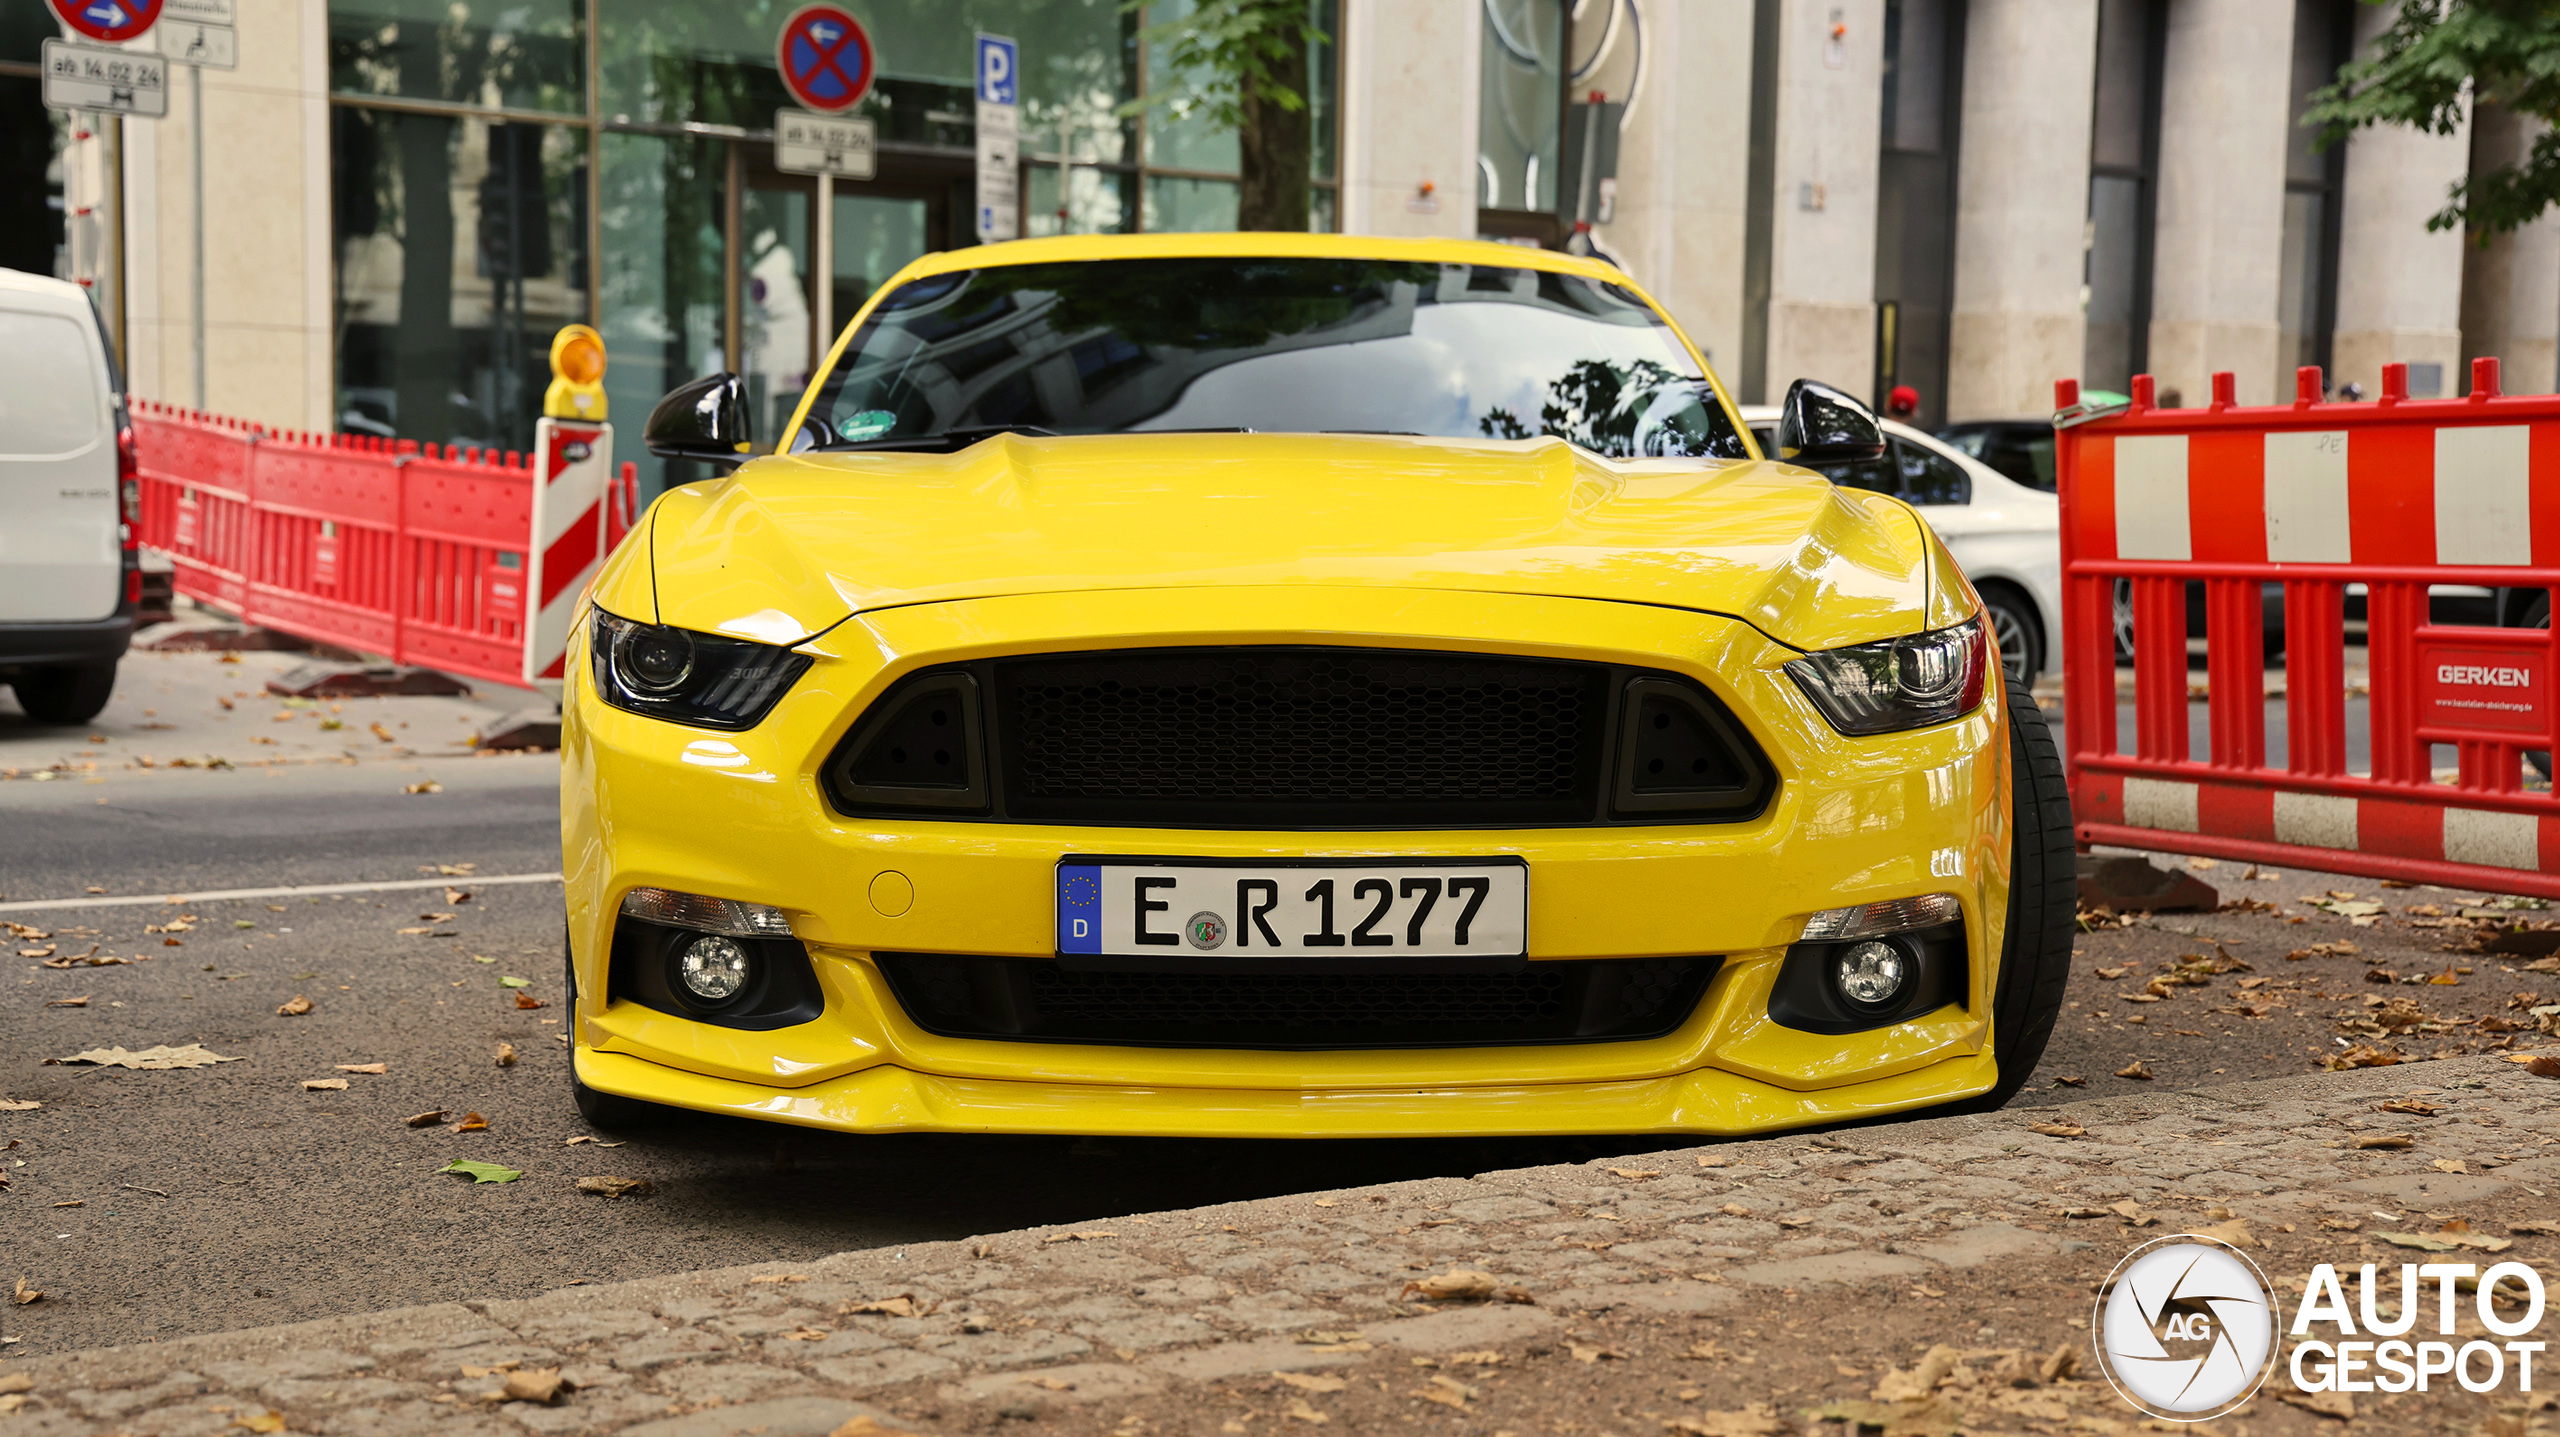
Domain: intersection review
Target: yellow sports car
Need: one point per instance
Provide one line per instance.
(1268, 685)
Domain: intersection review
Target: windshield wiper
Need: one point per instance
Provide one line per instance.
(944, 442)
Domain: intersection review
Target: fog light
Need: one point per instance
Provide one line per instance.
(1871, 975)
(713, 968)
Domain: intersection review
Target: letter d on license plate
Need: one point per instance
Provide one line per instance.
(1348, 909)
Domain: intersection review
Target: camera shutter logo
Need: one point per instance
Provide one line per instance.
(2186, 1328)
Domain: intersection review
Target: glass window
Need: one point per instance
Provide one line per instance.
(48, 388)
(2021, 452)
(1271, 344)
(1179, 135)
(1176, 203)
(511, 54)
(1929, 477)
(461, 251)
(664, 304)
(1521, 106)
(23, 31)
(876, 236)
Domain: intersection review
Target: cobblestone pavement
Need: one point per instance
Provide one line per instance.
(1743, 1288)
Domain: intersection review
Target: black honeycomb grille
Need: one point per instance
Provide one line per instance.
(1029, 1000)
(1300, 735)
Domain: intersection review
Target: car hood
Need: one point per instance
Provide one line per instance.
(792, 544)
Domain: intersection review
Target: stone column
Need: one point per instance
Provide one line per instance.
(2399, 283)
(269, 340)
(2217, 242)
(1822, 264)
(1409, 117)
(2511, 284)
(1683, 163)
(2022, 200)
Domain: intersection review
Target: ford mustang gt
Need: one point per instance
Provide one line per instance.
(1266, 685)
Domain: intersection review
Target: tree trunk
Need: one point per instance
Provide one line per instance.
(1278, 146)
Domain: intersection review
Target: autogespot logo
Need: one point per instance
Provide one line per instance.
(2186, 1328)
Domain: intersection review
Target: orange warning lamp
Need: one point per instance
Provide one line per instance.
(577, 374)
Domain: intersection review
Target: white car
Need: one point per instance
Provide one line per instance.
(69, 500)
(2007, 536)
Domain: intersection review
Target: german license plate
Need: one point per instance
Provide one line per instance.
(1350, 909)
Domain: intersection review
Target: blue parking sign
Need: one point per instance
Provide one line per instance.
(997, 58)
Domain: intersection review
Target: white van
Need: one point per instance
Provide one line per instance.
(70, 500)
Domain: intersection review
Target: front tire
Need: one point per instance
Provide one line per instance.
(2015, 631)
(609, 1111)
(70, 694)
(2035, 954)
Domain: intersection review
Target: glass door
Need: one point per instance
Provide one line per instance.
(878, 229)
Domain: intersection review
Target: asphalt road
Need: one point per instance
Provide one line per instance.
(149, 1204)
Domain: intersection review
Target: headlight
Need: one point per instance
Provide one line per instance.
(1898, 684)
(705, 680)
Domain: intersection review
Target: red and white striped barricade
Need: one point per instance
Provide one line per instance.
(2394, 495)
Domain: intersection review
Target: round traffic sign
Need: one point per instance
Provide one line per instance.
(112, 21)
(826, 56)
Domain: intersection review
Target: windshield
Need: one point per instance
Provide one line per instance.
(1264, 344)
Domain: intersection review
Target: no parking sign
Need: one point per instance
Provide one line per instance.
(111, 22)
(826, 58)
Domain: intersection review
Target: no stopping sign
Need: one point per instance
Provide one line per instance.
(826, 58)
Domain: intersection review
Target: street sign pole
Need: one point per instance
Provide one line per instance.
(822, 275)
(999, 139)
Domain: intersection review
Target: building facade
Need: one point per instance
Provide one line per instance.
(401, 200)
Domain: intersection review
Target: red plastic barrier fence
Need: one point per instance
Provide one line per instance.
(2395, 495)
(385, 547)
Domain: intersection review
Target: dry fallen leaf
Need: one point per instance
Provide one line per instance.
(615, 1187)
(867, 1426)
(1588, 1354)
(2386, 1140)
(2064, 1129)
(375, 1068)
(425, 1120)
(1298, 1410)
(1756, 1420)
(193, 1055)
(527, 1000)
(2535, 1227)
(324, 1085)
(1635, 1175)
(2538, 1065)
(760, 1277)
(80, 1002)
(2134, 1213)
(2134, 1069)
(425, 785)
(506, 1055)
(903, 1305)
(534, 1384)
(295, 1008)
(2235, 1232)
(2411, 1106)
(1456, 1285)
(1734, 1209)
(25, 1294)
(11, 1105)
(2449, 1165)
(472, 1123)
(1311, 1382)
(269, 1420)
(599, 1142)
(2071, 1082)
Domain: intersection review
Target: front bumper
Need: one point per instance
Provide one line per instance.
(743, 816)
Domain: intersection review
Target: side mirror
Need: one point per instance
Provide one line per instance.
(1817, 425)
(706, 419)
